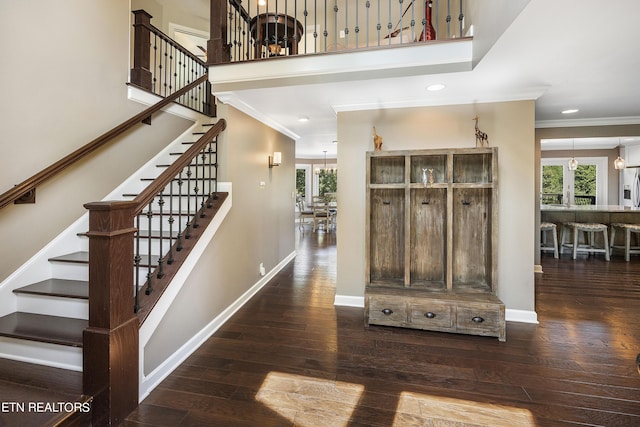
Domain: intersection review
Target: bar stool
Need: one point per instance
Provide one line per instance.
(589, 228)
(628, 229)
(545, 228)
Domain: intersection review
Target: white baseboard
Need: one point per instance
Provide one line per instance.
(511, 315)
(348, 301)
(149, 382)
(522, 316)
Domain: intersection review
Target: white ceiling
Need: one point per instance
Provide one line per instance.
(582, 54)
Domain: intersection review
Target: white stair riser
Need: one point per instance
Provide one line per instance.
(70, 271)
(59, 356)
(77, 271)
(54, 306)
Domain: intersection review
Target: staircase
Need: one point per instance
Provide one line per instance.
(44, 308)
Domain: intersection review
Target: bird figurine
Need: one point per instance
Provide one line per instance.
(377, 140)
(482, 139)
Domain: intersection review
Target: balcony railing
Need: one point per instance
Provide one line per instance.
(259, 29)
(162, 66)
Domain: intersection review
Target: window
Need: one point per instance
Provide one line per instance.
(587, 185)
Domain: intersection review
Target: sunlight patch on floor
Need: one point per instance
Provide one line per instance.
(309, 402)
(416, 409)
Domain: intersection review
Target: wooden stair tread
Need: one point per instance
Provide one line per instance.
(57, 288)
(43, 328)
(81, 257)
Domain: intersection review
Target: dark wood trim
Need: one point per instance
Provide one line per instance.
(30, 184)
(218, 50)
(141, 71)
(110, 342)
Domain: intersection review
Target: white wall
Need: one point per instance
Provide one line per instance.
(63, 80)
(258, 229)
(510, 127)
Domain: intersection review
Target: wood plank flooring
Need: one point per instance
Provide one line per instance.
(291, 358)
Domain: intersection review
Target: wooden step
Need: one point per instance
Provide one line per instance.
(43, 328)
(58, 288)
(82, 257)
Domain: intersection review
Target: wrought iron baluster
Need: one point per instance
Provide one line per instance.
(149, 288)
(325, 32)
(448, 18)
(215, 170)
(196, 190)
(346, 24)
(413, 20)
(357, 27)
(179, 236)
(204, 182)
(136, 267)
(174, 65)
(305, 14)
(155, 64)
(170, 68)
(315, 26)
(210, 165)
(163, 67)
(379, 25)
(160, 273)
(389, 25)
(461, 19)
(368, 7)
(401, 20)
(187, 230)
(171, 221)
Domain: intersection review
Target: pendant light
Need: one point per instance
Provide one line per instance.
(619, 162)
(573, 163)
(330, 171)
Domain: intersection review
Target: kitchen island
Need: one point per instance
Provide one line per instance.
(604, 214)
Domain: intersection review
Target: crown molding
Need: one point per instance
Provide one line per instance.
(607, 121)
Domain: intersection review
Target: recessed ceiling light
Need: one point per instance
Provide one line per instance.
(435, 87)
(303, 119)
(570, 111)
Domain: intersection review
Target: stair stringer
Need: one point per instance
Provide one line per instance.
(39, 268)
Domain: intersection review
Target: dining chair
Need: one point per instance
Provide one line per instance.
(304, 213)
(321, 215)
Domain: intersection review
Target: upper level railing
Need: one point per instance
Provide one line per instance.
(268, 28)
(162, 66)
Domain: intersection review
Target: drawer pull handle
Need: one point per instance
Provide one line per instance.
(430, 315)
(477, 319)
(387, 311)
(386, 202)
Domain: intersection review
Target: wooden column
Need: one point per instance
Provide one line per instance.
(110, 349)
(141, 71)
(218, 51)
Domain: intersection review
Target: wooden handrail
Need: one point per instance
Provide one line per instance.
(153, 189)
(31, 183)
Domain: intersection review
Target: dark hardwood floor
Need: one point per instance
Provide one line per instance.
(290, 357)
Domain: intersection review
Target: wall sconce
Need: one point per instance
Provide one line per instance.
(275, 160)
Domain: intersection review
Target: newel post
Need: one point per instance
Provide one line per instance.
(110, 342)
(141, 71)
(218, 51)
